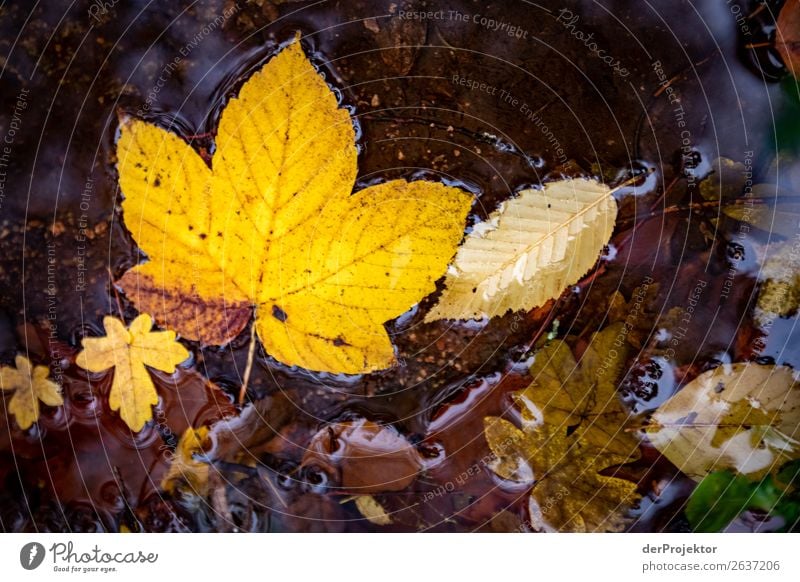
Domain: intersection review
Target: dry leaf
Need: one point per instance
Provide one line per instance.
(30, 385)
(727, 180)
(528, 251)
(364, 457)
(274, 225)
(187, 473)
(573, 428)
(128, 351)
(744, 417)
(782, 219)
(570, 495)
(399, 40)
(787, 36)
(779, 295)
(637, 314)
(373, 511)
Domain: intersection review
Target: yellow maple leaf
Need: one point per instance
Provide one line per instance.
(572, 433)
(30, 385)
(128, 351)
(275, 226)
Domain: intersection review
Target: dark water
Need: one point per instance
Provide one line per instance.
(550, 107)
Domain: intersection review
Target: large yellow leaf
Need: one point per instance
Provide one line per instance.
(572, 430)
(128, 351)
(529, 250)
(275, 226)
(744, 417)
(30, 385)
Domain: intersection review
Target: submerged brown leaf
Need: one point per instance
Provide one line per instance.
(787, 37)
(572, 435)
(364, 457)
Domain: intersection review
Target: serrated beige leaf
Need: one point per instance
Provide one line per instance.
(744, 417)
(528, 251)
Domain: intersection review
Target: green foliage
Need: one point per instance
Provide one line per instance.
(787, 128)
(723, 495)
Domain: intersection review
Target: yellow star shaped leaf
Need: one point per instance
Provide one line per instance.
(128, 351)
(275, 226)
(30, 385)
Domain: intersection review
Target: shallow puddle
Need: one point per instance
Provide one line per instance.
(491, 97)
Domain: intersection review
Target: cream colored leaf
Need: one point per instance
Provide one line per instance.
(30, 385)
(744, 417)
(528, 251)
(372, 510)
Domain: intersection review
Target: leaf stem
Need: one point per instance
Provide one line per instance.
(116, 296)
(249, 366)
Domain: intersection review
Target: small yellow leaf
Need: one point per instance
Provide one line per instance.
(275, 226)
(528, 251)
(186, 472)
(743, 417)
(30, 385)
(128, 351)
(572, 431)
(373, 511)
